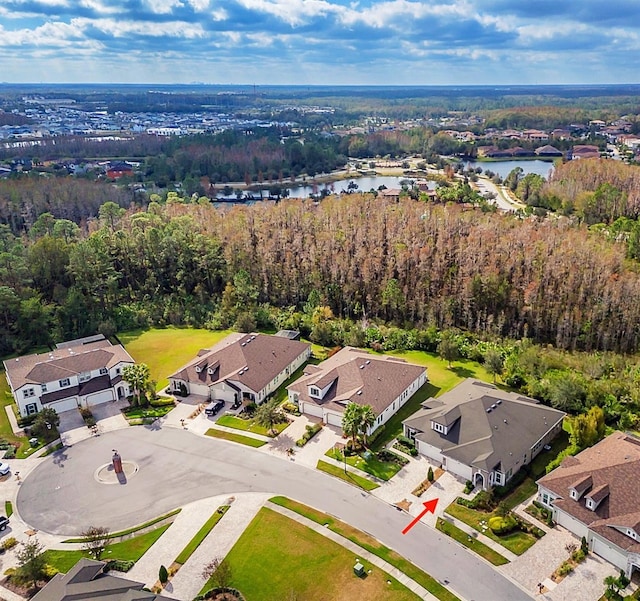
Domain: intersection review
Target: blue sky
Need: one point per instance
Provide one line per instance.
(320, 41)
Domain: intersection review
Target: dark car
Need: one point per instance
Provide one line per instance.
(4, 522)
(213, 407)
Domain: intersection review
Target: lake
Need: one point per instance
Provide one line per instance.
(503, 168)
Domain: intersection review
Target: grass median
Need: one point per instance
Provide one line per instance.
(233, 437)
(196, 541)
(471, 543)
(339, 472)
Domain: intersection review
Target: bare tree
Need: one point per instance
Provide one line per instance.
(95, 541)
(220, 573)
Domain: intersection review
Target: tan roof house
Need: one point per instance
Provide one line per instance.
(87, 580)
(241, 367)
(78, 373)
(596, 494)
(481, 433)
(356, 376)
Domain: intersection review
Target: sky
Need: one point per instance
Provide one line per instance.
(334, 42)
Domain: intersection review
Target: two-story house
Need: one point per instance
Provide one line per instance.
(78, 373)
(481, 433)
(355, 376)
(242, 367)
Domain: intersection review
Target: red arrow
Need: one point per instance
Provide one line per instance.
(429, 507)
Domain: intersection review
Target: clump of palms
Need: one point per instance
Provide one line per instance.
(356, 422)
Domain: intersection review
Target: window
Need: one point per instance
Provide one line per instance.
(84, 377)
(118, 371)
(31, 408)
(64, 382)
(104, 371)
(28, 392)
(313, 391)
(43, 387)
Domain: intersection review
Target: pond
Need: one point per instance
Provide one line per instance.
(503, 168)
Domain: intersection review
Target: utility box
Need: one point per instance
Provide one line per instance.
(34, 442)
(358, 569)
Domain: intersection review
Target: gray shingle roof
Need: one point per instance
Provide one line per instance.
(487, 426)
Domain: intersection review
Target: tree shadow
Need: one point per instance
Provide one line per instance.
(283, 443)
(463, 372)
(59, 457)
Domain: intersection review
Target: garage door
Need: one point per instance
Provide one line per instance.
(607, 551)
(311, 409)
(65, 405)
(570, 523)
(99, 398)
(334, 420)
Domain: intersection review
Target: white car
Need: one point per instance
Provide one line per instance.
(5, 468)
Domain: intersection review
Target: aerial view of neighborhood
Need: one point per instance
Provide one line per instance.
(319, 301)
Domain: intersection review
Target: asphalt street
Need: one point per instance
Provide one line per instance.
(62, 496)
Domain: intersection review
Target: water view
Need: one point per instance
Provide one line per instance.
(503, 168)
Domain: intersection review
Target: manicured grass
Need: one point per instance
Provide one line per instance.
(385, 470)
(248, 425)
(8, 508)
(52, 450)
(471, 543)
(525, 490)
(166, 350)
(559, 444)
(338, 472)
(6, 398)
(277, 559)
(233, 437)
(131, 530)
(147, 412)
(129, 550)
(195, 542)
(370, 544)
(517, 542)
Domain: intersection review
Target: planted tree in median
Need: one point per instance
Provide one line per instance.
(96, 539)
(138, 375)
(32, 567)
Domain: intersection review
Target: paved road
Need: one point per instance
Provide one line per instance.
(176, 467)
(485, 185)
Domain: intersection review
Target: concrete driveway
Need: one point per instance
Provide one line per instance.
(176, 467)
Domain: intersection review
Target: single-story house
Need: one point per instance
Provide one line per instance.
(78, 373)
(247, 367)
(548, 151)
(355, 376)
(87, 580)
(481, 433)
(596, 494)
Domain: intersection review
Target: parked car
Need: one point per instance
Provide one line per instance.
(213, 407)
(4, 522)
(5, 468)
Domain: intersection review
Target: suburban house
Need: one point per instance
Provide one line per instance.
(481, 433)
(87, 580)
(355, 376)
(78, 373)
(596, 494)
(247, 367)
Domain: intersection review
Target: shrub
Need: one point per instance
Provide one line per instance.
(430, 474)
(468, 487)
(50, 572)
(120, 565)
(291, 408)
(564, 569)
(8, 543)
(10, 453)
(162, 403)
(163, 575)
(310, 432)
(578, 555)
(502, 525)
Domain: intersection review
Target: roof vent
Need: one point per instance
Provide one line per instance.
(489, 410)
(498, 402)
(505, 421)
(359, 392)
(244, 344)
(367, 361)
(362, 366)
(493, 406)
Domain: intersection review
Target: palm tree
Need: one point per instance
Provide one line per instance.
(352, 421)
(268, 415)
(368, 418)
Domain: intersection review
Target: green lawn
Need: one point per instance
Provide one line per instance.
(233, 437)
(372, 465)
(129, 550)
(6, 399)
(370, 544)
(277, 559)
(166, 350)
(517, 542)
(195, 542)
(248, 425)
(471, 543)
(147, 412)
(338, 472)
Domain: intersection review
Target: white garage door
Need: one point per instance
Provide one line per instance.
(334, 419)
(99, 397)
(608, 551)
(311, 409)
(65, 405)
(570, 523)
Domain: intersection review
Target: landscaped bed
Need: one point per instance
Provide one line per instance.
(370, 544)
(471, 543)
(249, 425)
(383, 465)
(277, 559)
(516, 541)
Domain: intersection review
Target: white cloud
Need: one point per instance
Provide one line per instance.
(293, 12)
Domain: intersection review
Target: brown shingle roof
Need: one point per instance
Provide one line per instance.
(64, 362)
(613, 462)
(252, 359)
(359, 377)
